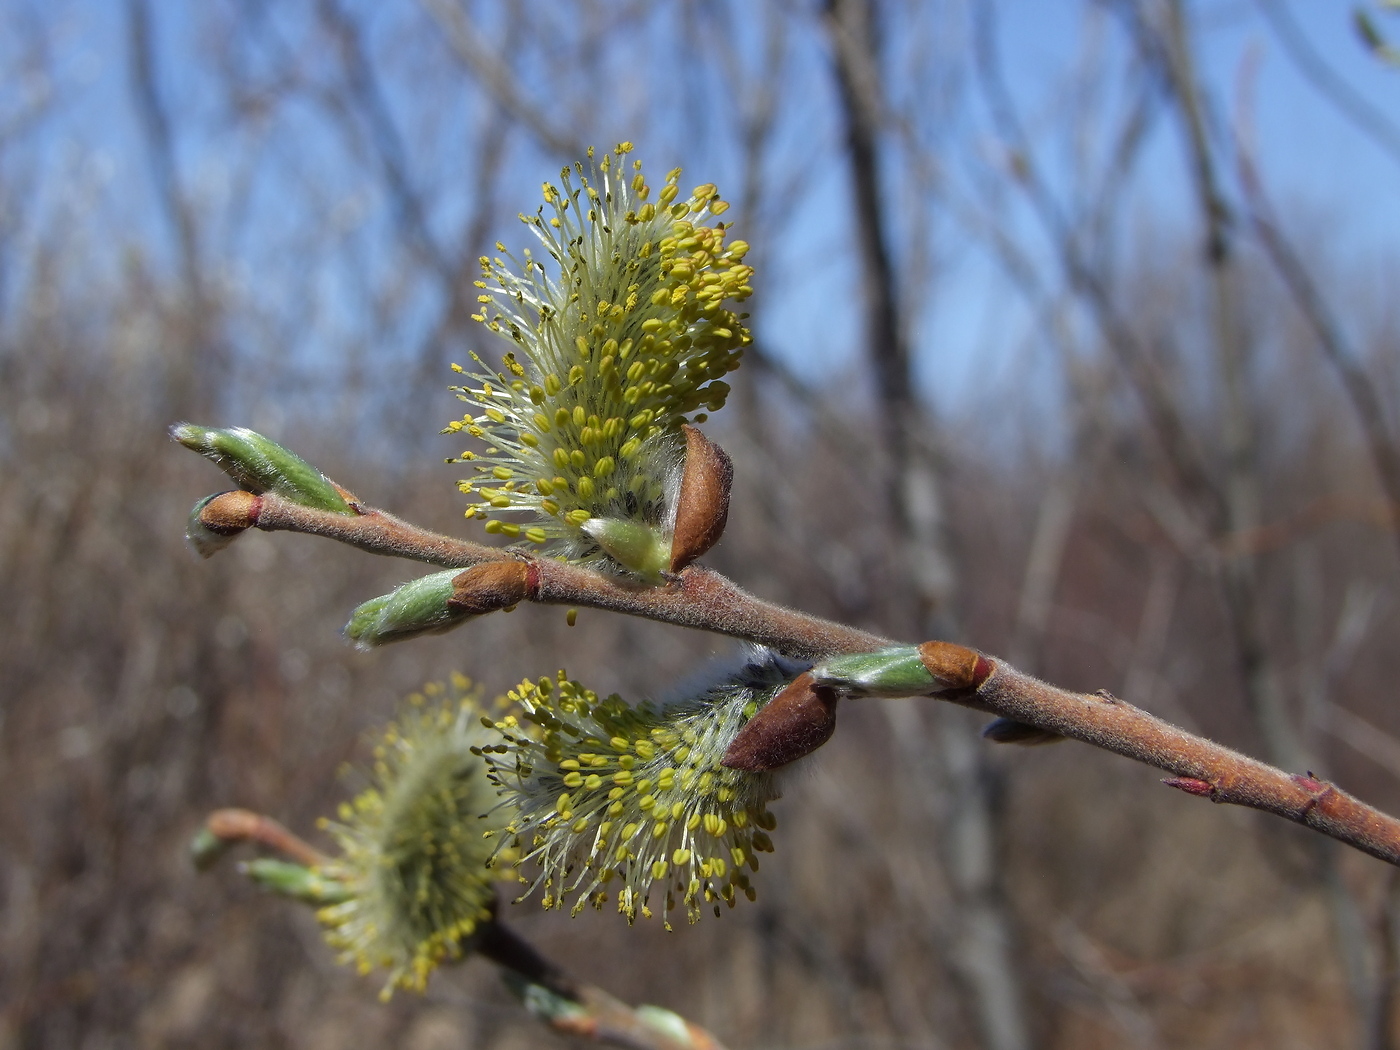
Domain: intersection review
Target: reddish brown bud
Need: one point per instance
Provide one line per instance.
(794, 723)
(229, 513)
(703, 506)
(1190, 785)
(957, 666)
(491, 586)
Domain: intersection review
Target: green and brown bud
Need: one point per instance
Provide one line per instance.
(905, 670)
(260, 465)
(418, 607)
(216, 521)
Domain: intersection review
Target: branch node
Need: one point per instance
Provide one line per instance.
(956, 666)
(490, 587)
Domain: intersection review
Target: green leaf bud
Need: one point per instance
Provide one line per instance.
(420, 606)
(260, 465)
(645, 549)
(295, 881)
(893, 672)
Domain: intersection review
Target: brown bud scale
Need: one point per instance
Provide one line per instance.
(490, 587)
(703, 507)
(229, 513)
(956, 666)
(794, 723)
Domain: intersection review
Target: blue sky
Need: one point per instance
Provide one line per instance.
(1321, 169)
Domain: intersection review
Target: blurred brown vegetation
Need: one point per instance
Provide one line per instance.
(1168, 495)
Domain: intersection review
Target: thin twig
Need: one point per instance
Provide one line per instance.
(705, 600)
(243, 825)
(568, 1006)
(579, 1009)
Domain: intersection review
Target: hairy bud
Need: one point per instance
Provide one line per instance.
(905, 670)
(490, 587)
(421, 606)
(260, 465)
(216, 521)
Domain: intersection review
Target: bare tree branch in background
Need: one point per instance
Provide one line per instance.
(195, 344)
(497, 77)
(1371, 120)
(981, 934)
(1359, 387)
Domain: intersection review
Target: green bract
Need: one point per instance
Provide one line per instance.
(620, 338)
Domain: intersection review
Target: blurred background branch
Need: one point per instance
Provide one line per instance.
(339, 167)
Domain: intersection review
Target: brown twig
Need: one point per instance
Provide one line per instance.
(695, 598)
(704, 600)
(568, 1006)
(369, 529)
(579, 1009)
(243, 825)
(1199, 766)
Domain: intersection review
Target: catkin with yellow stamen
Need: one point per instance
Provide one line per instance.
(634, 801)
(413, 851)
(624, 333)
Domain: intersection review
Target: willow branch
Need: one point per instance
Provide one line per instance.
(695, 597)
(570, 1007)
(1199, 766)
(243, 825)
(704, 600)
(584, 1010)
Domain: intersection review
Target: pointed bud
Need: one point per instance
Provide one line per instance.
(793, 724)
(1190, 785)
(703, 506)
(417, 607)
(295, 881)
(260, 465)
(489, 587)
(1009, 731)
(216, 521)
